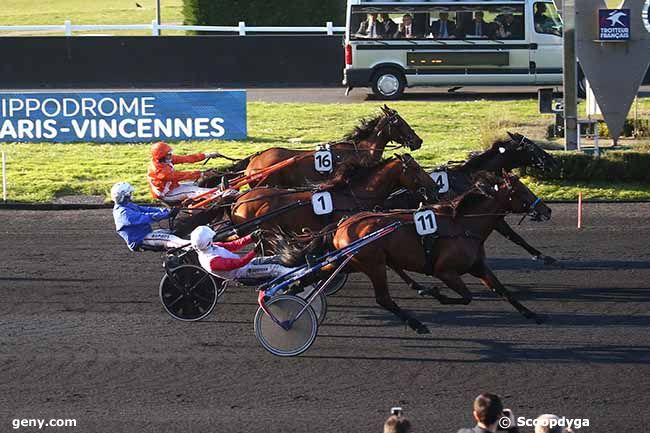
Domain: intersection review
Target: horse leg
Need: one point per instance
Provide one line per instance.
(506, 231)
(377, 274)
(455, 283)
(414, 285)
(489, 280)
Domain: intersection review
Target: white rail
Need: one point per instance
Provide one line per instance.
(68, 28)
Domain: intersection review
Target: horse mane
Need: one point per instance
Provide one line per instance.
(476, 159)
(363, 129)
(352, 170)
(474, 195)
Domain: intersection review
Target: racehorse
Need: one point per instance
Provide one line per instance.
(367, 188)
(363, 146)
(518, 151)
(457, 248)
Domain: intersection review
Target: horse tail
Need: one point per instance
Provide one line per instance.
(294, 250)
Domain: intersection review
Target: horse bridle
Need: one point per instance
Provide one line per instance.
(393, 121)
(532, 212)
(406, 162)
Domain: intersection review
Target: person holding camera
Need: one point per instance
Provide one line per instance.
(490, 416)
(396, 422)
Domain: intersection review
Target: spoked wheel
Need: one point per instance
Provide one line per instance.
(286, 342)
(319, 304)
(189, 293)
(336, 285)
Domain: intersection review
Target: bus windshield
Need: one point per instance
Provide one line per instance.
(438, 22)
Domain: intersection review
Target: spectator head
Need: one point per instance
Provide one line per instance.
(372, 17)
(384, 17)
(543, 424)
(444, 16)
(478, 15)
(509, 18)
(397, 424)
(540, 8)
(407, 20)
(488, 409)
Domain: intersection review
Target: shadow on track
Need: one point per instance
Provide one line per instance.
(477, 350)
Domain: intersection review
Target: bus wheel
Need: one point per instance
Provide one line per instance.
(388, 83)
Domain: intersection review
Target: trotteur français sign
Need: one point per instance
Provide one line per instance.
(614, 24)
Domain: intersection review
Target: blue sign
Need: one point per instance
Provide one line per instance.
(614, 24)
(123, 117)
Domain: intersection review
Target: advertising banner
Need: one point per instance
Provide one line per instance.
(123, 117)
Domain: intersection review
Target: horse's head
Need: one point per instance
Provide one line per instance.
(414, 178)
(397, 129)
(524, 152)
(520, 199)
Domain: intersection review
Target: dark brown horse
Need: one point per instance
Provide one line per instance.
(363, 146)
(367, 188)
(504, 154)
(463, 227)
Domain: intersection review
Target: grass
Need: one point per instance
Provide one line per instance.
(42, 172)
(37, 12)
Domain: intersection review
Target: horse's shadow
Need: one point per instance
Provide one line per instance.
(521, 264)
(483, 350)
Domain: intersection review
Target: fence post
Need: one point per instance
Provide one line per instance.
(4, 178)
(67, 28)
(330, 28)
(155, 30)
(242, 28)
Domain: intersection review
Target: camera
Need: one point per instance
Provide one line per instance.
(396, 410)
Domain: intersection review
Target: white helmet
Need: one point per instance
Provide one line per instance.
(121, 191)
(201, 237)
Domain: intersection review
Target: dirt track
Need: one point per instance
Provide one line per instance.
(82, 335)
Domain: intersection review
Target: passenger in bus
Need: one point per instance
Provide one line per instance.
(389, 26)
(408, 29)
(370, 28)
(443, 28)
(512, 27)
(478, 28)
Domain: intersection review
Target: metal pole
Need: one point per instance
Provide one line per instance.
(4, 178)
(570, 76)
(158, 16)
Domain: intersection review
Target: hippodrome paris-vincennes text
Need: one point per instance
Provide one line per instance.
(32, 118)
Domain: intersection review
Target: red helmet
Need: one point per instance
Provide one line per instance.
(160, 150)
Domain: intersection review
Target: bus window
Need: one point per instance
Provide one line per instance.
(547, 20)
(441, 22)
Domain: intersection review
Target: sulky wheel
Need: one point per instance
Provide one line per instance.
(319, 304)
(286, 342)
(189, 293)
(336, 285)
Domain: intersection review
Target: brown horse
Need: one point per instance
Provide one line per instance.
(363, 146)
(463, 227)
(368, 188)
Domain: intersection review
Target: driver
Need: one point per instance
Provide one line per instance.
(133, 222)
(164, 181)
(219, 258)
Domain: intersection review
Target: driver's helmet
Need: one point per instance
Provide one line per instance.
(201, 238)
(160, 150)
(121, 192)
